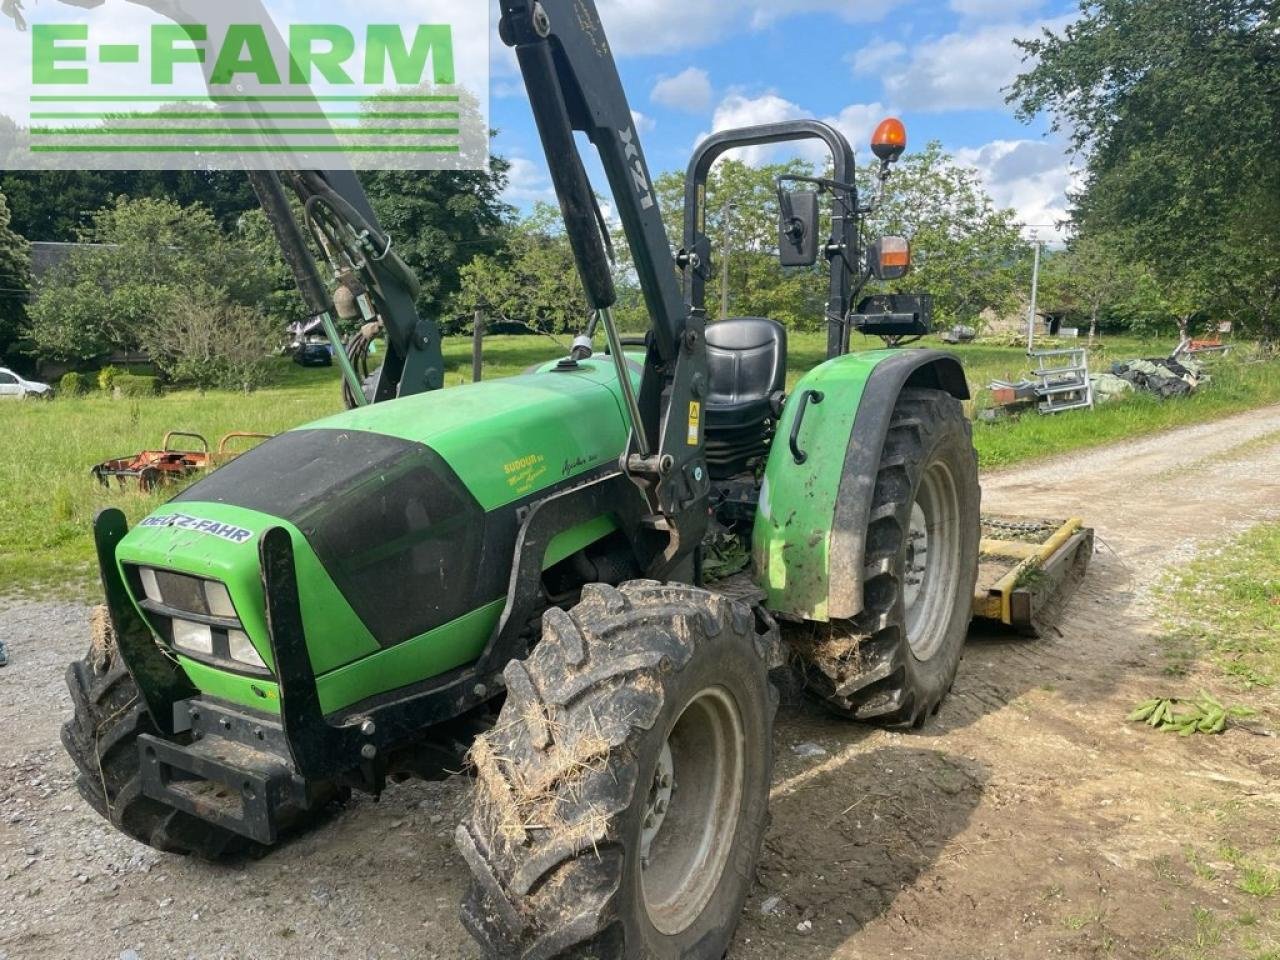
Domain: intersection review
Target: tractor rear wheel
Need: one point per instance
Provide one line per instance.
(621, 801)
(895, 663)
(102, 739)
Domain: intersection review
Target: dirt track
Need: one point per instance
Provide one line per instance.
(1028, 821)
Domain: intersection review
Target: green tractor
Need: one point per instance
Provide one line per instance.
(516, 572)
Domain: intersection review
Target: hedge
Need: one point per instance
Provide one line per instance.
(127, 386)
(72, 385)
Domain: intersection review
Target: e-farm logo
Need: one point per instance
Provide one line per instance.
(233, 91)
(314, 52)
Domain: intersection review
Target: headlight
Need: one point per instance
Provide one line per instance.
(219, 600)
(193, 637)
(244, 651)
(149, 585)
(197, 616)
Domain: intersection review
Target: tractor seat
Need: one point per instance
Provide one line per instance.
(747, 359)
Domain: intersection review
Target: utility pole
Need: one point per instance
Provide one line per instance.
(477, 348)
(724, 260)
(1035, 295)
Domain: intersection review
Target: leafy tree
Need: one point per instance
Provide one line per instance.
(56, 205)
(204, 340)
(146, 254)
(533, 282)
(281, 301)
(1097, 277)
(966, 252)
(440, 220)
(15, 262)
(1176, 106)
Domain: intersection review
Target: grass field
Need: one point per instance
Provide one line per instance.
(1225, 607)
(47, 499)
(1221, 623)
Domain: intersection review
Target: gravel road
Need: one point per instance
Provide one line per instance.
(1019, 809)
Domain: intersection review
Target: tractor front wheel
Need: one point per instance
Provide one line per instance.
(621, 801)
(896, 662)
(102, 738)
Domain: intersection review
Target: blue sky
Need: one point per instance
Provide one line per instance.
(694, 66)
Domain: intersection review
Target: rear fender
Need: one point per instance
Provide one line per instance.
(808, 544)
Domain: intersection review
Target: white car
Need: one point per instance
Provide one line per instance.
(14, 387)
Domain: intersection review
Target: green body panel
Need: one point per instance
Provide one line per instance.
(454, 645)
(565, 544)
(252, 692)
(791, 541)
(507, 441)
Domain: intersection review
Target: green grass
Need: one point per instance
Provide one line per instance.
(1221, 617)
(47, 499)
(1225, 606)
(1260, 882)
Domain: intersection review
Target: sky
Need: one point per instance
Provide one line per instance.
(692, 67)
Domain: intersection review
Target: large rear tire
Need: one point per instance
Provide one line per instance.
(621, 801)
(102, 738)
(895, 663)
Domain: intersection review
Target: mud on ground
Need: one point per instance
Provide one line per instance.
(1028, 821)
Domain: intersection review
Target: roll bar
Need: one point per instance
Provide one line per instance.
(842, 250)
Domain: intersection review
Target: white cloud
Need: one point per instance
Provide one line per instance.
(644, 123)
(1031, 176)
(993, 9)
(738, 110)
(527, 183)
(967, 70)
(689, 91)
(856, 121)
(661, 26)
(876, 56)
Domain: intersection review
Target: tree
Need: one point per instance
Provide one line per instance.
(204, 340)
(1175, 104)
(55, 205)
(1095, 276)
(533, 282)
(145, 255)
(966, 252)
(440, 221)
(15, 266)
(281, 300)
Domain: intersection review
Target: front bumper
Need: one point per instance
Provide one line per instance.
(234, 773)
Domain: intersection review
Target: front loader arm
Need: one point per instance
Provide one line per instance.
(373, 282)
(573, 85)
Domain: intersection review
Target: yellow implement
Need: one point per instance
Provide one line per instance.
(1027, 564)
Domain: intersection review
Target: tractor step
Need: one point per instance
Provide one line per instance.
(1028, 567)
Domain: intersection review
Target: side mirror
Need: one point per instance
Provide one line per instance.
(889, 142)
(798, 228)
(889, 258)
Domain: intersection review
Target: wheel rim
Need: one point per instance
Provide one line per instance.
(932, 561)
(691, 812)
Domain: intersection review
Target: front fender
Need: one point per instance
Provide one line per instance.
(808, 544)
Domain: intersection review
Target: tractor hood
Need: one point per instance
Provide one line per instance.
(403, 517)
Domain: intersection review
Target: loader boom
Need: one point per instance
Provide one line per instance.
(573, 85)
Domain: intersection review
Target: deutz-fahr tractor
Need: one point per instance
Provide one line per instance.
(515, 574)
